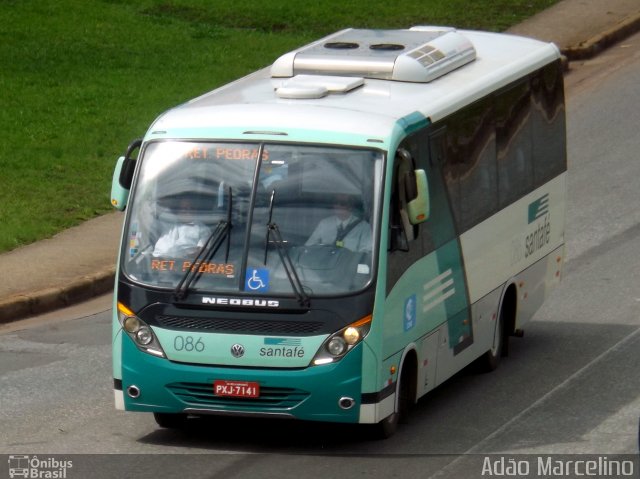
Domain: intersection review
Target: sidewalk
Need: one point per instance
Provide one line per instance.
(583, 28)
(71, 267)
(79, 263)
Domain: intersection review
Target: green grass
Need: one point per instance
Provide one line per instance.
(79, 79)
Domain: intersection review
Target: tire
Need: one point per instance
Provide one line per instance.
(388, 426)
(405, 397)
(490, 360)
(170, 420)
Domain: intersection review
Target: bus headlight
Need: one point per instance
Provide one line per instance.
(336, 346)
(131, 324)
(341, 342)
(351, 335)
(139, 331)
(144, 336)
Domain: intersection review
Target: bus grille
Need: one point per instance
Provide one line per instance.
(198, 394)
(240, 326)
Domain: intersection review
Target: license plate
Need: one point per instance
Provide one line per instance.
(238, 389)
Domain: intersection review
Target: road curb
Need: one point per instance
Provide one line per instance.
(590, 48)
(21, 306)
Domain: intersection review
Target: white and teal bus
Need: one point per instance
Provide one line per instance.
(334, 236)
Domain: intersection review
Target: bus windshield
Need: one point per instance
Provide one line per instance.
(214, 211)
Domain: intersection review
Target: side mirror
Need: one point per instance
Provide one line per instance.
(417, 192)
(123, 177)
(119, 195)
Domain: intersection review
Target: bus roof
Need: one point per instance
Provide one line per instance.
(358, 94)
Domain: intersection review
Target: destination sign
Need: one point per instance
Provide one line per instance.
(229, 153)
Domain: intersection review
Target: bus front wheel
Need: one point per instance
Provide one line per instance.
(388, 426)
(406, 394)
(170, 420)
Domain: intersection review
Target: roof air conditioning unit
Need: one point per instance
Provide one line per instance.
(420, 54)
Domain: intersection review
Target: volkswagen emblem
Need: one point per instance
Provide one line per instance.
(237, 350)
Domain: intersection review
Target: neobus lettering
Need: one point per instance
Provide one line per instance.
(260, 303)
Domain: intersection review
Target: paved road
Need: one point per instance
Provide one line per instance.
(570, 386)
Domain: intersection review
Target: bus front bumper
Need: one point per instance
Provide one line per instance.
(317, 393)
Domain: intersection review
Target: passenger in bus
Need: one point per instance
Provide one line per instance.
(185, 237)
(344, 229)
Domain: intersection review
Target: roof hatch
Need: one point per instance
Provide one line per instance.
(420, 54)
(317, 86)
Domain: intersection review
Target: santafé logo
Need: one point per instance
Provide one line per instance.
(538, 208)
(540, 236)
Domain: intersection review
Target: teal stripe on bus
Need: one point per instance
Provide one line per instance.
(413, 122)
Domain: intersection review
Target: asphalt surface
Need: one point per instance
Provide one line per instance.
(79, 263)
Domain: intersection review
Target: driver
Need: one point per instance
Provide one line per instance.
(343, 229)
(185, 237)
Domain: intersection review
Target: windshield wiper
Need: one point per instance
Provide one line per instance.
(206, 252)
(289, 267)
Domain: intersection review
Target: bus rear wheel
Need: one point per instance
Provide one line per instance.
(491, 359)
(506, 318)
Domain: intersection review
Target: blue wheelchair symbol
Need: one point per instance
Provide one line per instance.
(410, 312)
(257, 279)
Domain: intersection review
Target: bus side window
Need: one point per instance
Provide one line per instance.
(514, 143)
(404, 247)
(548, 122)
(470, 170)
(440, 228)
(403, 232)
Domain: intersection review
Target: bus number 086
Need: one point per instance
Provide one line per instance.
(188, 343)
